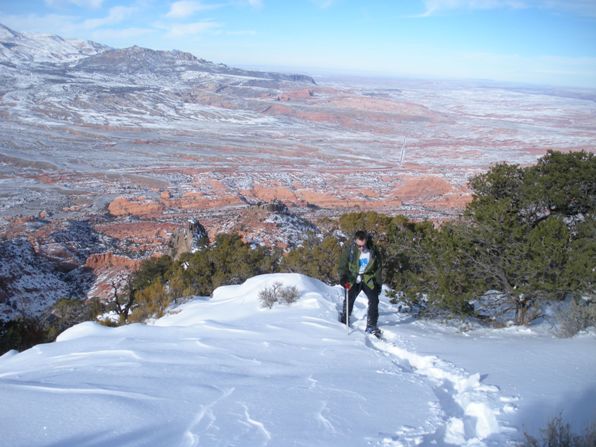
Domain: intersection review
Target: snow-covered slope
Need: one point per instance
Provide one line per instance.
(18, 47)
(226, 372)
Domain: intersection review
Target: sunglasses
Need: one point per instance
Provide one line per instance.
(361, 246)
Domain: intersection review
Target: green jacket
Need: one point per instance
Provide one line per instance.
(348, 266)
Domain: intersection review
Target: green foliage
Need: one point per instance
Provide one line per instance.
(374, 223)
(132, 293)
(446, 279)
(526, 263)
(229, 260)
(430, 265)
(315, 258)
(67, 312)
(546, 257)
(191, 275)
(563, 183)
(21, 334)
(407, 255)
(233, 261)
(579, 274)
(151, 301)
(150, 270)
(503, 182)
(25, 332)
(529, 230)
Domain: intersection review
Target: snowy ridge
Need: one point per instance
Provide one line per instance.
(226, 372)
(21, 48)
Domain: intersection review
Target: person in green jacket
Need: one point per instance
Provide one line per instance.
(360, 270)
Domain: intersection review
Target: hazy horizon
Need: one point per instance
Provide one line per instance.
(548, 43)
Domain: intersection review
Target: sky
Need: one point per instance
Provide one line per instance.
(549, 42)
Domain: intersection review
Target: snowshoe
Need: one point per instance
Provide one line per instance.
(373, 330)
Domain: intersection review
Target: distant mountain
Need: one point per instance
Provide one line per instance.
(136, 60)
(54, 81)
(17, 48)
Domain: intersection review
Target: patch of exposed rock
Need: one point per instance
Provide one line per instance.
(271, 224)
(136, 206)
(187, 239)
(101, 261)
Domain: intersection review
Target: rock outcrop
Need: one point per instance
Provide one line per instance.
(187, 238)
(138, 206)
(100, 261)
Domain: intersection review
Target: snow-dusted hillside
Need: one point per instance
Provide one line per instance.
(18, 48)
(31, 283)
(226, 372)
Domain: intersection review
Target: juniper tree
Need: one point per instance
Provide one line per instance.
(522, 236)
(316, 258)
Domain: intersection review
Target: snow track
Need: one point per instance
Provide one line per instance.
(467, 405)
(468, 410)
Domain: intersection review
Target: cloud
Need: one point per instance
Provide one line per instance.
(92, 4)
(69, 26)
(116, 14)
(186, 8)
(52, 23)
(190, 29)
(578, 7)
(435, 6)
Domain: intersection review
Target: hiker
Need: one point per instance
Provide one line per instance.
(360, 268)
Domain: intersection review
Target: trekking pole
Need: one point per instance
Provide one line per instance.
(347, 307)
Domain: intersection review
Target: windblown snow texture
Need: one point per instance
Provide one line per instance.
(226, 372)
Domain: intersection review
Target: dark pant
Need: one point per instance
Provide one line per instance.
(373, 302)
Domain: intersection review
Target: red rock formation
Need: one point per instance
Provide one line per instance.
(270, 192)
(421, 188)
(293, 95)
(101, 261)
(139, 206)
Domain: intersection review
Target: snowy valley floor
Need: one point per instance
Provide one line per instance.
(226, 372)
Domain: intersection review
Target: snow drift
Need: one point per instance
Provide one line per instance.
(227, 372)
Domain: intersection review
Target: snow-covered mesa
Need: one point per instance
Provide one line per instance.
(224, 371)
